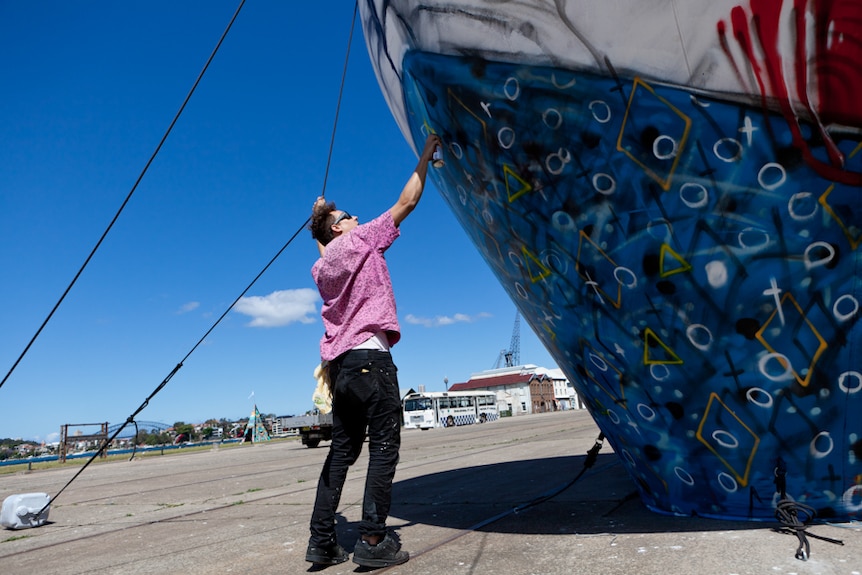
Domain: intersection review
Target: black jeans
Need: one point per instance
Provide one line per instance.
(365, 402)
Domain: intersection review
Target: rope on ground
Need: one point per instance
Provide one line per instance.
(128, 197)
(131, 419)
(795, 516)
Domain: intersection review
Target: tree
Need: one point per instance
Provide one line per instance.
(184, 428)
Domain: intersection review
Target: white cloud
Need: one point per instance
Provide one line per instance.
(442, 320)
(280, 308)
(187, 307)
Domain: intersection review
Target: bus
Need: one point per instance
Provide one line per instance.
(449, 408)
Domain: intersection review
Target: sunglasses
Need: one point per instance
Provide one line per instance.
(344, 216)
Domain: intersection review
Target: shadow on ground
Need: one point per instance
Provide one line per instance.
(604, 500)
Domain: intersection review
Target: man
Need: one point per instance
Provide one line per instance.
(361, 325)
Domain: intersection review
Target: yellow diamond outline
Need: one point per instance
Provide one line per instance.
(617, 303)
(622, 396)
(822, 200)
(452, 96)
(664, 183)
(820, 349)
(742, 479)
(551, 332)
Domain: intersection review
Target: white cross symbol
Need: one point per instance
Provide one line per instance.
(748, 129)
(774, 291)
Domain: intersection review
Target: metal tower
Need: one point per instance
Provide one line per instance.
(515, 344)
(512, 356)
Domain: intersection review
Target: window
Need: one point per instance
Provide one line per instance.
(417, 404)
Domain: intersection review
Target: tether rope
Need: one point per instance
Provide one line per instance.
(795, 516)
(338, 105)
(589, 461)
(128, 197)
(131, 418)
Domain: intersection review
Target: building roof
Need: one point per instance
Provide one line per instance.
(494, 378)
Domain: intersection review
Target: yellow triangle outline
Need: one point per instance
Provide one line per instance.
(526, 187)
(649, 333)
(684, 266)
(530, 257)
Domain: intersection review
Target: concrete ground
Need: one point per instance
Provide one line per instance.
(245, 510)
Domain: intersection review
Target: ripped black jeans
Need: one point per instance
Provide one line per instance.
(365, 401)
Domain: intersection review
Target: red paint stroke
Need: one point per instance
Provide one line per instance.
(835, 58)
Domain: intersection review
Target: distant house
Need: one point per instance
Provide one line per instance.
(564, 392)
(524, 389)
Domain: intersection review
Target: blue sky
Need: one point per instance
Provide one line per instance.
(89, 89)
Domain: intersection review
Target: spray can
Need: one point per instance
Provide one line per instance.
(437, 158)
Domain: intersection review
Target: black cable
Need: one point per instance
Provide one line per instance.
(592, 454)
(135, 442)
(131, 418)
(340, 92)
(788, 513)
(146, 402)
(128, 197)
(590, 460)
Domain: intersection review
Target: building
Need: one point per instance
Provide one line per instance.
(564, 392)
(524, 389)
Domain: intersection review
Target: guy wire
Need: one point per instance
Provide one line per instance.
(131, 418)
(128, 196)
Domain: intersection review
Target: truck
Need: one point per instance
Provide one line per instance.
(313, 427)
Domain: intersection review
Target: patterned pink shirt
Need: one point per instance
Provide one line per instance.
(353, 280)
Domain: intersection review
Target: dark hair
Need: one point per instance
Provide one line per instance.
(321, 222)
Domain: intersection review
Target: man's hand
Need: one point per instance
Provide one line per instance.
(432, 142)
(412, 191)
(319, 206)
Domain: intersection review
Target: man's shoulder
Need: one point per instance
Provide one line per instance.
(383, 226)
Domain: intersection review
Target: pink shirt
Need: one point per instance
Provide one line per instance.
(353, 280)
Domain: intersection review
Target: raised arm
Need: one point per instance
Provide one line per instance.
(412, 191)
(317, 209)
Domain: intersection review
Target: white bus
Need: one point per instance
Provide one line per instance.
(449, 408)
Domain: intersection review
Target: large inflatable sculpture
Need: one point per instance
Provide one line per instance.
(668, 191)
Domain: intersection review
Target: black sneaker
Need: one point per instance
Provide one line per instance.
(387, 552)
(332, 555)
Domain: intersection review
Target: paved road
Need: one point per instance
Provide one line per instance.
(246, 509)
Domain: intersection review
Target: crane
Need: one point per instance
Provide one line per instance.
(512, 356)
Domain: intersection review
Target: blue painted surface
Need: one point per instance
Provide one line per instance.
(696, 280)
